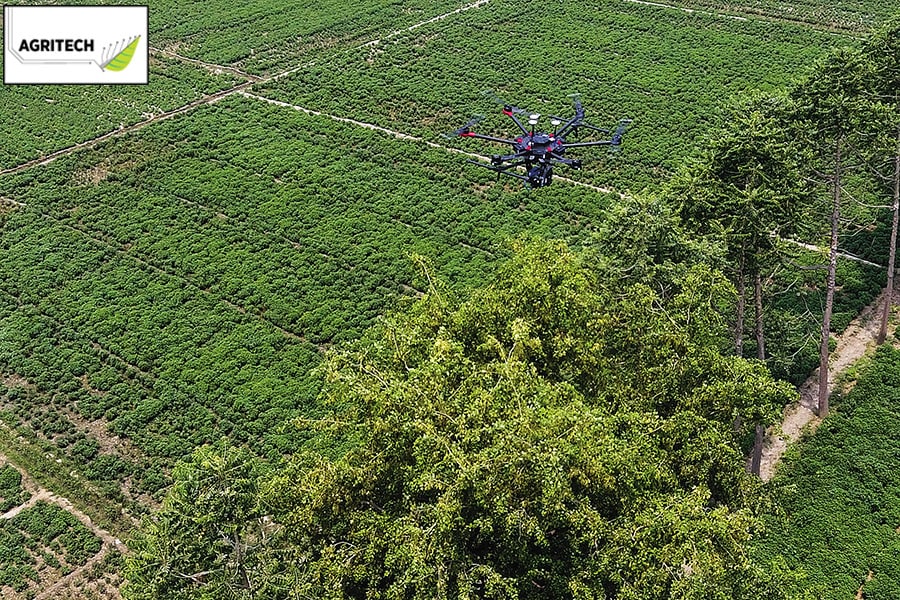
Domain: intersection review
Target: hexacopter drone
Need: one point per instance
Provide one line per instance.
(537, 151)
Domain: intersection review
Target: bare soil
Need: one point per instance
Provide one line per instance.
(853, 344)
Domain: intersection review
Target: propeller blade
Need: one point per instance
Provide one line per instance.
(576, 100)
(620, 131)
(465, 128)
(490, 95)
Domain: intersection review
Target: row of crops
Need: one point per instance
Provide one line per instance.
(40, 119)
(181, 303)
(666, 69)
(258, 36)
(846, 15)
(42, 542)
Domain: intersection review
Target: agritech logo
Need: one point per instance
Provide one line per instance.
(75, 44)
(114, 57)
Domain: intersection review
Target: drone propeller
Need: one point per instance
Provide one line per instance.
(489, 94)
(620, 131)
(576, 100)
(465, 128)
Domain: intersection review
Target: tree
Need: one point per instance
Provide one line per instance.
(557, 435)
(882, 52)
(832, 109)
(744, 189)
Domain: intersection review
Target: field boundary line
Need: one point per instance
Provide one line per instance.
(407, 137)
(119, 250)
(815, 248)
(415, 26)
(204, 64)
(749, 16)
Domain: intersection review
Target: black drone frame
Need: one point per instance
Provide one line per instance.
(538, 152)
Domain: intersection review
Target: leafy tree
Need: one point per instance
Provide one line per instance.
(557, 435)
(832, 110)
(882, 52)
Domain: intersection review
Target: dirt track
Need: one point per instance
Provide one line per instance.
(856, 340)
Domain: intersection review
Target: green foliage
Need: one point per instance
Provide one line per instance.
(552, 436)
(11, 492)
(839, 493)
(667, 69)
(31, 533)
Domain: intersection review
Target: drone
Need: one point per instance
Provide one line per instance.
(539, 151)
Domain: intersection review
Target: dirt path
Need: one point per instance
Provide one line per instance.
(851, 346)
(405, 136)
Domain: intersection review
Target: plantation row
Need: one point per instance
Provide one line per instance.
(40, 119)
(174, 300)
(668, 70)
(265, 36)
(11, 492)
(42, 540)
(840, 493)
(852, 15)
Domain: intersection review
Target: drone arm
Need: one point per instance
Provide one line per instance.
(479, 136)
(511, 115)
(594, 128)
(570, 124)
(574, 163)
(586, 144)
(502, 170)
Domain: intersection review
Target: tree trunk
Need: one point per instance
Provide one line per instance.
(760, 335)
(889, 290)
(739, 325)
(756, 456)
(829, 290)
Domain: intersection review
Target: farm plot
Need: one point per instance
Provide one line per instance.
(849, 15)
(37, 120)
(666, 69)
(178, 292)
(839, 494)
(262, 36)
(40, 545)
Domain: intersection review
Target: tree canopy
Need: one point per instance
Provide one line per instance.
(552, 436)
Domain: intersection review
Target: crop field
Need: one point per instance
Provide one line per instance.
(847, 15)
(37, 120)
(180, 303)
(178, 284)
(280, 35)
(654, 65)
(840, 493)
(38, 546)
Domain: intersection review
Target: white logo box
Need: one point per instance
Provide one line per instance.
(75, 44)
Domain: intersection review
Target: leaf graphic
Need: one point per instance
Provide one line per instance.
(121, 60)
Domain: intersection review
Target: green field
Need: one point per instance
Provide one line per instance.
(37, 120)
(840, 493)
(179, 284)
(654, 65)
(181, 303)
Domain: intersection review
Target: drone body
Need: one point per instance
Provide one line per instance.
(539, 151)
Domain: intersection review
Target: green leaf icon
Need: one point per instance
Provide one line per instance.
(121, 60)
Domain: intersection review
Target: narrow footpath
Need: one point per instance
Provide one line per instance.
(852, 345)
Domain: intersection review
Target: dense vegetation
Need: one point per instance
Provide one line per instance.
(180, 285)
(180, 304)
(11, 492)
(42, 539)
(668, 70)
(559, 434)
(40, 119)
(839, 492)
